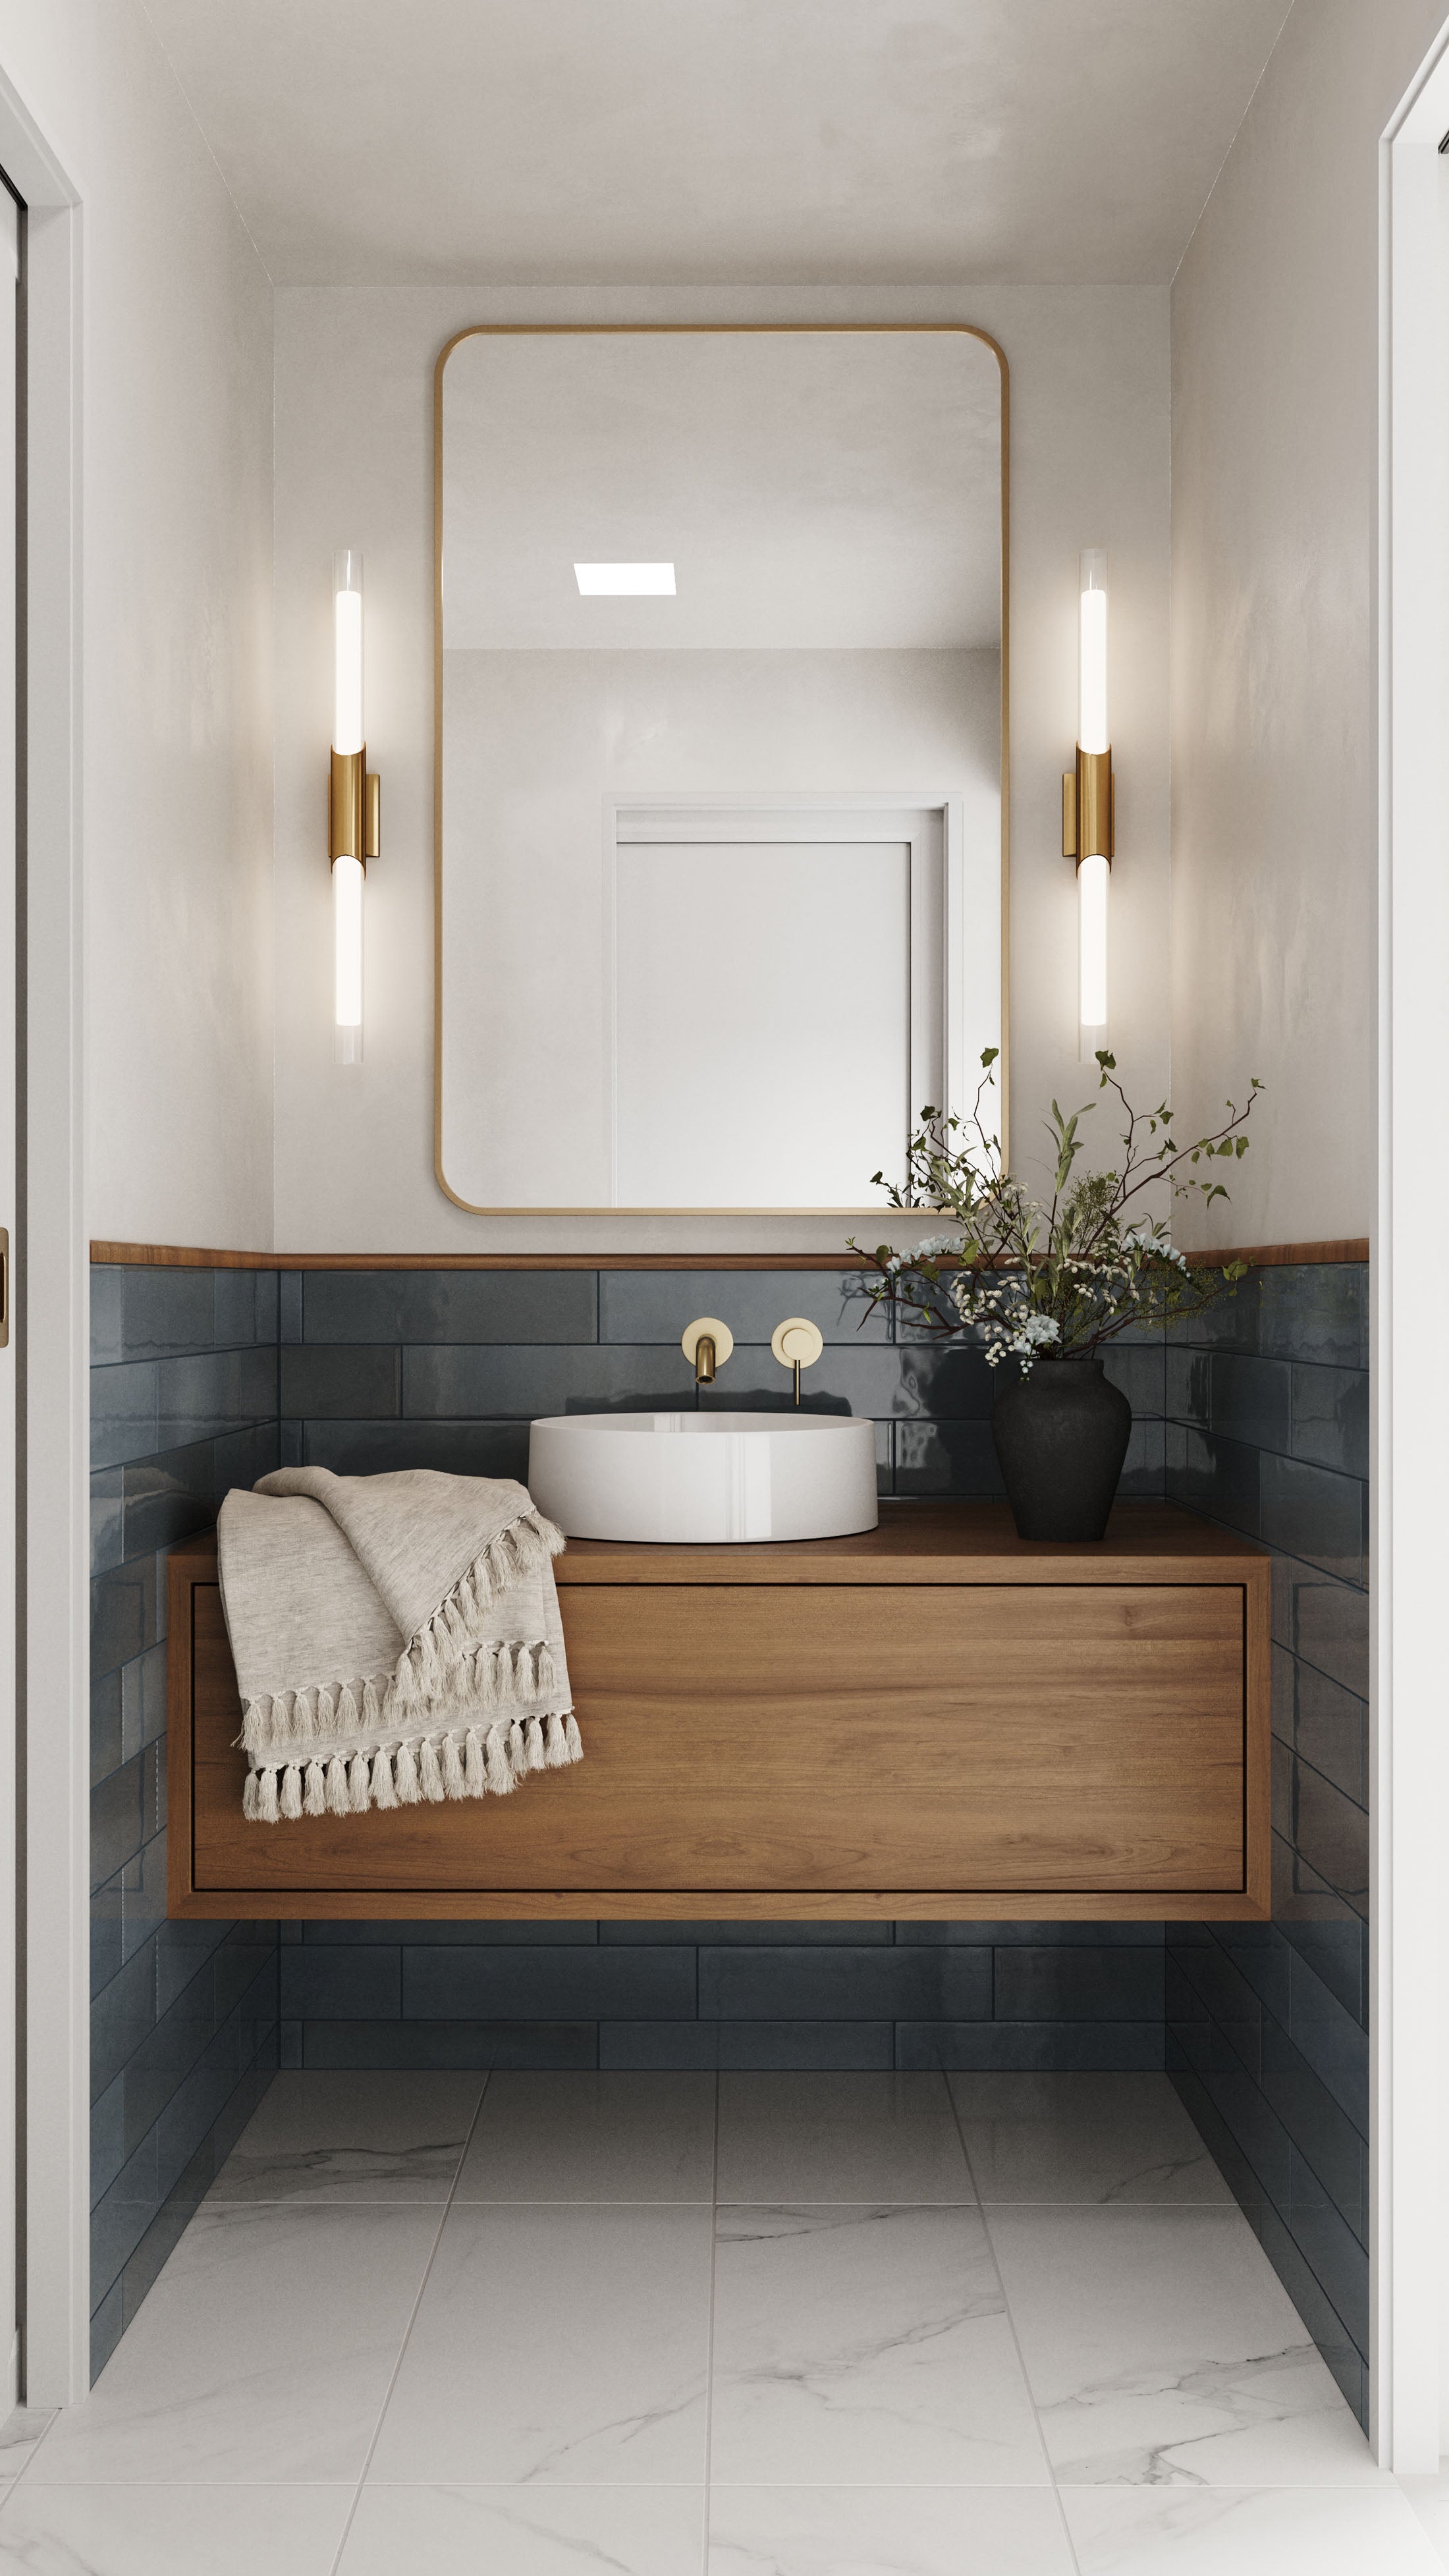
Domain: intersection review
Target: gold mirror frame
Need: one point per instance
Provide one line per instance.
(715, 330)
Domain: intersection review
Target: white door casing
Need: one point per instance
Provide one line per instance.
(1410, 1435)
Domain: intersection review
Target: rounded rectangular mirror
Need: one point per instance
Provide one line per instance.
(720, 745)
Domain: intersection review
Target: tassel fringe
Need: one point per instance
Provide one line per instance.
(459, 1764)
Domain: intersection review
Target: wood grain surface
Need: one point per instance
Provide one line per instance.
(956, 1745)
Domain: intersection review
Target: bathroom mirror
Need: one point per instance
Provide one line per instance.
(720, 643)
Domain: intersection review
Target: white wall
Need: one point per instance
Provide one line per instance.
(1275, 358)
(1089, 382)
(177, 369)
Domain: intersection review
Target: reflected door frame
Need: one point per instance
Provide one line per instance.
(965, 1008)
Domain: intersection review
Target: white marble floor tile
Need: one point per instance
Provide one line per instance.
(172, 2530)
(1160, 2345)
(606, 2137)
(865, 2345)
(1246, 2531)
(341, 2136)
(263, 2353)
(803, 2139)
(1083, 2138)
(526, 2531)
(20, 2437)
(1429, 2498)
(560, 2343)
(886, 2531)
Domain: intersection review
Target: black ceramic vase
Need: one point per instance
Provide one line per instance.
(1061, 1435)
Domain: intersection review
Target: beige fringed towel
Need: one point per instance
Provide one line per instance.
(395, 1637)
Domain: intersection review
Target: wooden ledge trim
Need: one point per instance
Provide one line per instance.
(174, 1256)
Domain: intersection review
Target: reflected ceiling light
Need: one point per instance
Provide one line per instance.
(353, 807)
(1087, 803)
(625, 581)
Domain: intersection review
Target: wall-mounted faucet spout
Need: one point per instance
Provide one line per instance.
(707, 1344)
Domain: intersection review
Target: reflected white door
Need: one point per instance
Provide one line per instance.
(778, 1002)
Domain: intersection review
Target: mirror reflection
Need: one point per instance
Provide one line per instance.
(719, 762)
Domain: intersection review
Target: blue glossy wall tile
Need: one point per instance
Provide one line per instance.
(1313, 1311)
(551, 1984)
(214, 1391)
(183, 2017)
(510, 1306)
(123, 1412)
(166, 1311)
(1078, 1984)
(848, 1985)
(655, 1305)
(1330, 1417)
(453, 1448)
(1266, 2024)
(349, 1381)
(1032, 2047)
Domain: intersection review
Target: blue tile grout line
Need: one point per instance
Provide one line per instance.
(1253, 1417)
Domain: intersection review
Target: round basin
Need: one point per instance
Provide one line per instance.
(704, 1479)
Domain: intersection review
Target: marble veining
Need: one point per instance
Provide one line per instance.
(868, 2343)
(1092, 2138)
(533, 2530)
(1246, 2531)
(630, 2373)
(347, 2137)
(557, 2342)
(1160, 2346)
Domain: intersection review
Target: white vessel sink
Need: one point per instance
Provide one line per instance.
(704, 1478)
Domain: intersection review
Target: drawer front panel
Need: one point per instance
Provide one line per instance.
(1051, 1737)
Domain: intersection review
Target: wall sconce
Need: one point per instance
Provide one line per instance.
(1087, 823)
(353, 807)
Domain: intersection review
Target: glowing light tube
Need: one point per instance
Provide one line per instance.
(1092, 875)
(347, 960)
(347, 872)
(1092, 733)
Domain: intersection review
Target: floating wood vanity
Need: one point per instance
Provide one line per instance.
(934, 1719)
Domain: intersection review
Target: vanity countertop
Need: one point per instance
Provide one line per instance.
(944, 1542)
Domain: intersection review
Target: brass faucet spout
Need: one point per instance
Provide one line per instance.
(704, 1360)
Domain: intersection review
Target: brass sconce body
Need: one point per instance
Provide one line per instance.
(1087, 818)
(354, 808)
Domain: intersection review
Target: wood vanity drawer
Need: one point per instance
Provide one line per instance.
(930, 1746)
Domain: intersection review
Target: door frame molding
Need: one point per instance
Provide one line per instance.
(52, 1301)
(1409, 2303)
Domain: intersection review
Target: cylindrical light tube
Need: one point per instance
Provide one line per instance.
(347, 878)
(1092, 877)
(347, 800)
(1092, 733)
(347, 733)
(1094, 819)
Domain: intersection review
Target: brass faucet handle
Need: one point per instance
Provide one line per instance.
(706, 1344)
(797, 1344)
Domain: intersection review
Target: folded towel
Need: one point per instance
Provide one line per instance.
(395, 1638)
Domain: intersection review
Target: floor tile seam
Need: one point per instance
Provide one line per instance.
(1011, 2326)
(395, 2373)
(27, 2465)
